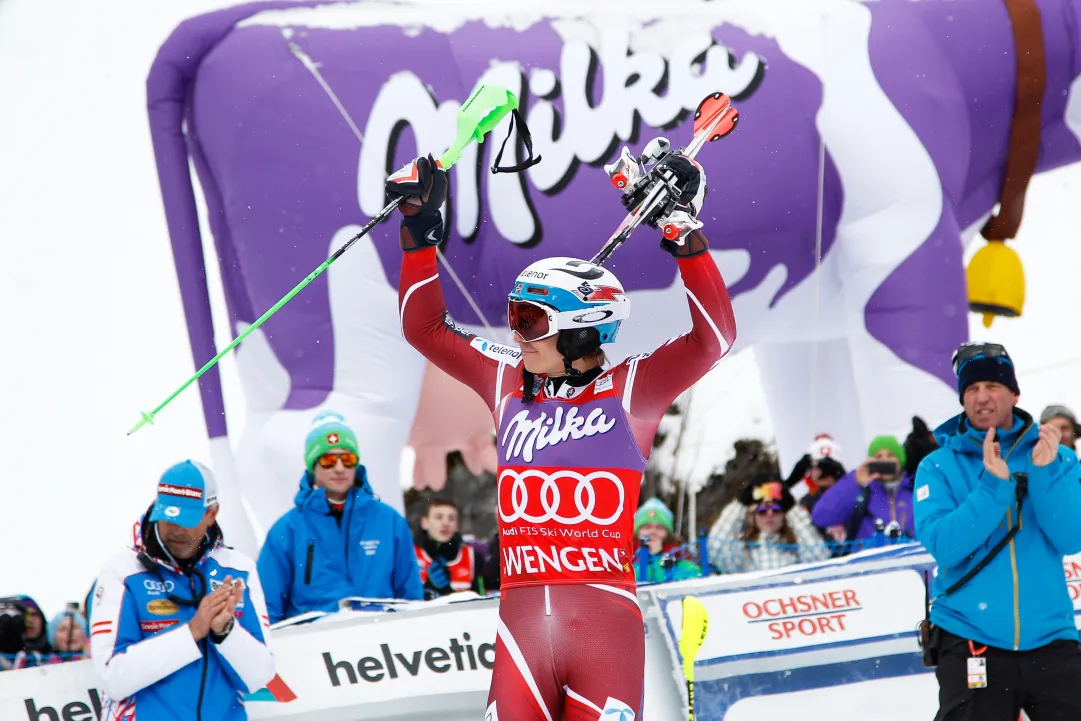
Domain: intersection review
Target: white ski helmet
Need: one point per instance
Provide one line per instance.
(567, 293)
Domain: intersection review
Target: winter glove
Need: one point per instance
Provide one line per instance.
(438, 574)
(830, 467)
(918, 445)
(799, 470)
(681, 223)
(423, 183)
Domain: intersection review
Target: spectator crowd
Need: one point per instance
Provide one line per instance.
(340, 546)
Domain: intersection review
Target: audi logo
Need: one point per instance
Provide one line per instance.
(158, 586)
(548, 504)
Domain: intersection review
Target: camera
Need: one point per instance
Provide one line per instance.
(12, 626)
(883, 468)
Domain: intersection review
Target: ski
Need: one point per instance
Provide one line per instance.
(650, 194)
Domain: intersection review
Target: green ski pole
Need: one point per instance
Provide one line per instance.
(482, 111)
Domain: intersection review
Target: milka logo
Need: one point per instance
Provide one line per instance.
(658, 83)
(527, 436)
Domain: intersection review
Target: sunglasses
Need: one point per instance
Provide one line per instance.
(768, 508)
(529, 320)
(971, 351)
(329, 460)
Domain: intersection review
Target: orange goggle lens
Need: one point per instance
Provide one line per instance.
(329, 460)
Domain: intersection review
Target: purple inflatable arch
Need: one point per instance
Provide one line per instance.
(872, 136)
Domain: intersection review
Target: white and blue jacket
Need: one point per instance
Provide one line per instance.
(150, 666)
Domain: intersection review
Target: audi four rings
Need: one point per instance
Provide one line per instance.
(585, 497)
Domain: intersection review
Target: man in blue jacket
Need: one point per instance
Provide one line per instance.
(339, 540)
(1006, 637)
(178, 627)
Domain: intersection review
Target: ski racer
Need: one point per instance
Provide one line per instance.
(574, 437)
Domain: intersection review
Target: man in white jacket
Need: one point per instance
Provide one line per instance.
(179, 626)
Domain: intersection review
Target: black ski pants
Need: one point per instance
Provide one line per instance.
(1045, 682)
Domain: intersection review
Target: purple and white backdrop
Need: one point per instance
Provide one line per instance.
(872, 141)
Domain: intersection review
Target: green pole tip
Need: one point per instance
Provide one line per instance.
(147, 417)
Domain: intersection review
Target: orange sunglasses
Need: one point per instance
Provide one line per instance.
(329, 460)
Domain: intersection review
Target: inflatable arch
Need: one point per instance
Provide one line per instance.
(873, 140)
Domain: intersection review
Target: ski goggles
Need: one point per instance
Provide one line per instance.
(764, 508)
(329, 460)
(531, 321)
(970, 351)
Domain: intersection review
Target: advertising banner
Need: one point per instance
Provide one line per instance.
(401, 656)
(782, 618)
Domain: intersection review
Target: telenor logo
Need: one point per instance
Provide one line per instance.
(495, 351)
(437, 659)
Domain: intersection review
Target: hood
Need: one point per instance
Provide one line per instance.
(312, 498)
(956, 434)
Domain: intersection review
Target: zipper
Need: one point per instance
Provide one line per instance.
(1013, 553)
(308, 564)
(348, 525)
(204, 646)
(1013, 548)
(202, 681)
(1016, 585)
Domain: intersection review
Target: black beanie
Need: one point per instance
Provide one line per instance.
(984, 368)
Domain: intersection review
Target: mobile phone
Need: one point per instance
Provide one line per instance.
(883, 468)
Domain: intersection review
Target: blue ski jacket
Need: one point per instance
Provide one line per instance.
(1020, 600)
(151, 667)
(312, 558)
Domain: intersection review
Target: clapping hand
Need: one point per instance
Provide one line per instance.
(1046, 449)
(207, 613)
(231, 593)
(992, 456)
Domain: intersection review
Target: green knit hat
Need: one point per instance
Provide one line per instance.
(653, 511)
(887, 443)
(328, 432)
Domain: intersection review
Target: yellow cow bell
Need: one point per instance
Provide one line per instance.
(996, 282)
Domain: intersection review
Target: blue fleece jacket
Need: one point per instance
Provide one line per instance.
(1019, 601)
(311, 560)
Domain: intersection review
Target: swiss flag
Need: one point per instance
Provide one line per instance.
(332, 438)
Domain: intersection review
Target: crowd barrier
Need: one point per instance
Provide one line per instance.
(779, 644)
(729, 556)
